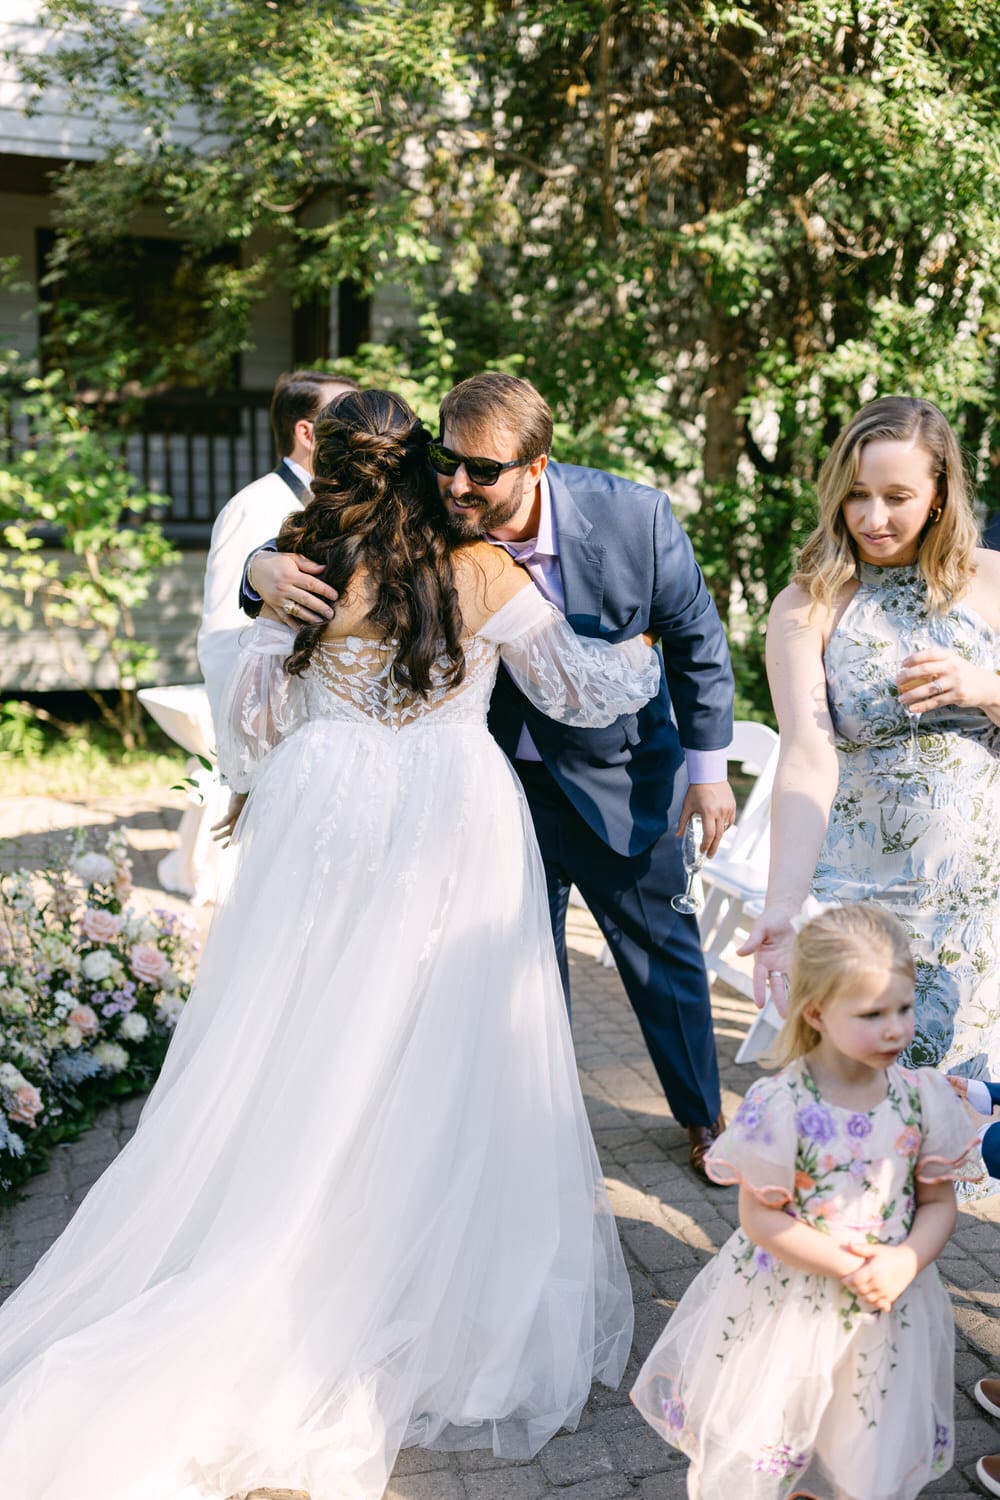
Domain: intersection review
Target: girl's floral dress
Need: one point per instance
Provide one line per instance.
(773, 1380)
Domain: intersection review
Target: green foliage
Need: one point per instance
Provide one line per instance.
(707, 231)
(41, 756)
(71, 484)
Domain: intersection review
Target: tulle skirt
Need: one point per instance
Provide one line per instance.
(362, 1209)
(775, 1383)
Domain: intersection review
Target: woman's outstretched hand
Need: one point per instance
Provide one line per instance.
(223, 831)
(770, 940)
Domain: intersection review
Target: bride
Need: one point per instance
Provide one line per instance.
(362, 1209)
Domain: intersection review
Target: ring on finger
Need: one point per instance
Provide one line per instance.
(291, 608)
(937, 687)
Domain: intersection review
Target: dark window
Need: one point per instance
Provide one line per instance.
(150, 295)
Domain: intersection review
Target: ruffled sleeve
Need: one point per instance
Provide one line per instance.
(950, 1148)
(757, 1149)
(584, 683)
(261, 703)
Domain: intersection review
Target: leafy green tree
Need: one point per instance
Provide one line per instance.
(71, 483)
(707, 230)
(729, 224)
(294, 135)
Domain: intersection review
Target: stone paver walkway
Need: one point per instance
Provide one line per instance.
(670, 1222)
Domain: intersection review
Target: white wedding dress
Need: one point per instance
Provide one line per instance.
(362, 1209)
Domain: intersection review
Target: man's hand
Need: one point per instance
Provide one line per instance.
(222, 832)
(287, 582)
(716, 806)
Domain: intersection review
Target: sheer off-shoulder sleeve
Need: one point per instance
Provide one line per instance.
(585, 683)
(261, 704)
(949, 1148)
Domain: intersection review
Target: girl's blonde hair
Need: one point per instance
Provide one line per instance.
(831, 952)
(828, 559)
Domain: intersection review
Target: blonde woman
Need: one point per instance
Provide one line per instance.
(882, 659)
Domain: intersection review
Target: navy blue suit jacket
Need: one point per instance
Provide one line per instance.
(627, 567)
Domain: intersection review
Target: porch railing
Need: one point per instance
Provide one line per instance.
(195, 448)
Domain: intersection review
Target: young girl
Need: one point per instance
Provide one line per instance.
(814, 1355)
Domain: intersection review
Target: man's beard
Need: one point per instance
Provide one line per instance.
(469, 525)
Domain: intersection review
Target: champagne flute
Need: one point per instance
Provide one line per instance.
(912, 756)
(694, 857)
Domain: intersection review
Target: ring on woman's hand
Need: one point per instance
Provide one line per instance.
(291, 608)
(936, 687)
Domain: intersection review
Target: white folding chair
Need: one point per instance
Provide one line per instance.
(735, 880)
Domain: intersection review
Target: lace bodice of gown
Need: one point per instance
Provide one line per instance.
(353, 678)
(584, 683)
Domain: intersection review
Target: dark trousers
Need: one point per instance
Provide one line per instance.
(657, 950)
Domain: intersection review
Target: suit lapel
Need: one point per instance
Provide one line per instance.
(293, 481)
(581, 559)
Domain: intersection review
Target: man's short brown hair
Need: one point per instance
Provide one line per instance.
(494, 399)
(299, 396)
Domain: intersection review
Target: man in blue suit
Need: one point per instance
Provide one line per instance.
(612, 557)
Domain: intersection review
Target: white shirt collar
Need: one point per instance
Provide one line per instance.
(299, 471)
(544, 544)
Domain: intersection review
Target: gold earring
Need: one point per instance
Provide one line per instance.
(935, 514)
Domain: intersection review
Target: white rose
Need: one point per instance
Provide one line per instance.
(72, 1037)
(10, 1078)
(93, 869)
(170, 1008)
(97, 965)
(134, 1026)
(112, 1058)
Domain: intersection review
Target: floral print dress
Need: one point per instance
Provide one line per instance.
(922, 839)
(774, 1380)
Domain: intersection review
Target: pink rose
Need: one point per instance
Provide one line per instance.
(100, 926)
(84, 1019)
(148, 963)
(24, 1104)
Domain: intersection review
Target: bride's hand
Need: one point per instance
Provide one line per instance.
(770, 940)
(222, 832)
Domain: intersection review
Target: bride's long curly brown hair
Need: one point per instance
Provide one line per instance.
(375, 508)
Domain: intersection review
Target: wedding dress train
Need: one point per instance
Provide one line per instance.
(362, 1209)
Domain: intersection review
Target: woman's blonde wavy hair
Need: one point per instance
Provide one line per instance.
(832, 952)
(829, 560)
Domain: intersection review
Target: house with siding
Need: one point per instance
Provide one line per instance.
(195, 447)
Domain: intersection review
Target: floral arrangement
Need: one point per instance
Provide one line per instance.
(90, 992)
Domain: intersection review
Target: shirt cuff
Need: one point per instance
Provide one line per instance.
(706, 765)
(979, 1096)
(252, 593)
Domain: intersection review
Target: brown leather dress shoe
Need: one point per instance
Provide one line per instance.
(701, 1137)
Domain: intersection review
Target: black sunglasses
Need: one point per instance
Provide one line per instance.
(484, 471)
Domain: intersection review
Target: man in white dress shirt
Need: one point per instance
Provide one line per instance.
(258, 511)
